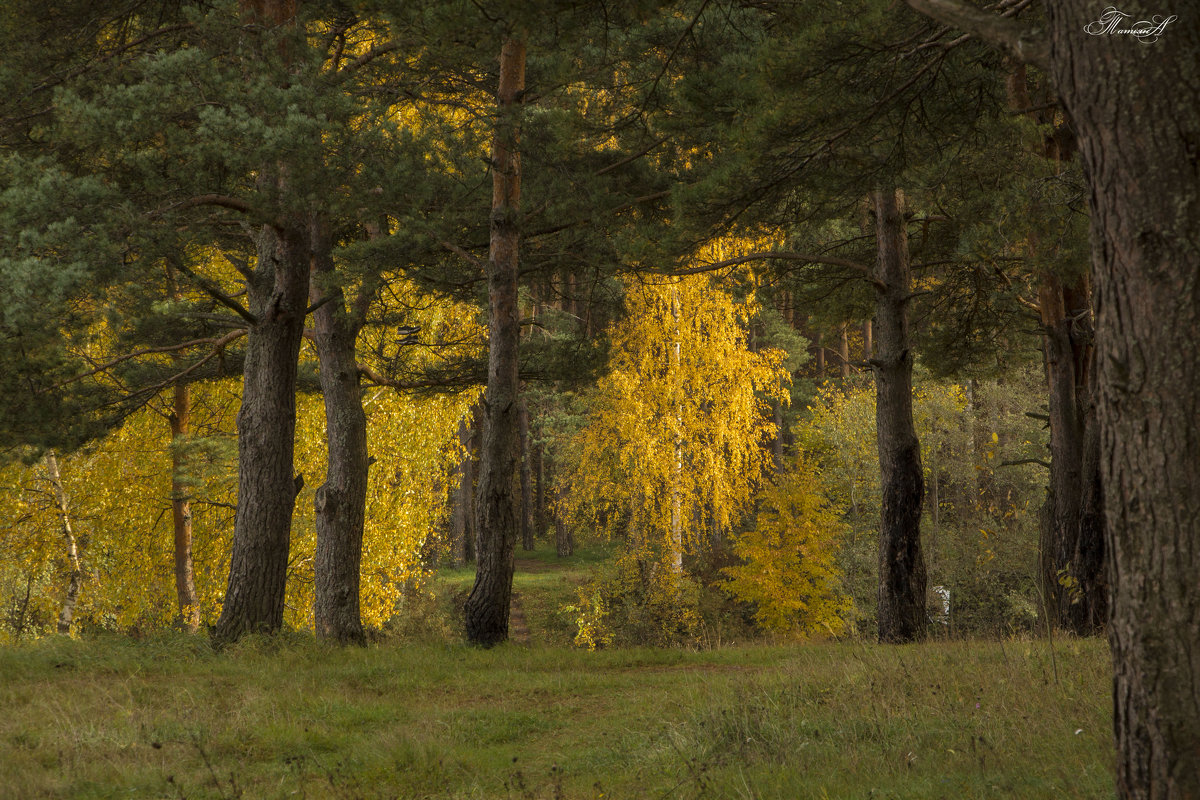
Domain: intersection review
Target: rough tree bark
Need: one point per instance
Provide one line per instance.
(1136, 108)
(267, 489)
(487, 607)
(901, 562)
(1135, 103)
(341, 500)
(277, 292)
(181, 513)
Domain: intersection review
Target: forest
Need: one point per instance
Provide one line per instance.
(827, 336)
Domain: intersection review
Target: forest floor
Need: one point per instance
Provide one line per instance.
(285, 717)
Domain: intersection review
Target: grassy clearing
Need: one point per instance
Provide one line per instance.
(166, 717)
(420, 715)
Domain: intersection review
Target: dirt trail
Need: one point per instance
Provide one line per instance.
(518, 629)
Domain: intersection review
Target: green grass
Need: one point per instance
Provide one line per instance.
(113, 718)
(418, 717)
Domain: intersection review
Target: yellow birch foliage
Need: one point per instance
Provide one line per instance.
(789, 566)
(677, 428)
(673, 449)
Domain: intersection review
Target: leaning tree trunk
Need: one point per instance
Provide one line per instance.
(487, 606)
(66, 614)
(901, 563)
(267, 489)
(181, 512)
(341, 500)
(1136, 108)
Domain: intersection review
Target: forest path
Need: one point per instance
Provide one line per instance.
(518, 628)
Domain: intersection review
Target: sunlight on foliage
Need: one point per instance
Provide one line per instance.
(789, 565)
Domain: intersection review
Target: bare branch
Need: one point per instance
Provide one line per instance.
(834, 261)
(215, 293)
(1018, 38)
(174, 348)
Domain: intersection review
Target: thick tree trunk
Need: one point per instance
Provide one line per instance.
(66, 614)
(267, 489)
(1136, 108)
(901, 562)
(341, 500)
(487, 607)
(526, 477)
(277, 293)
(181, 513)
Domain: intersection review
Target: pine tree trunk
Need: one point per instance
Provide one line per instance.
(487, 607)
(1136, 108)
(66, 614)
(1060, 519)
(181, 513)
(901, 562)
(340, 502)
(277, 293)
(266, 422)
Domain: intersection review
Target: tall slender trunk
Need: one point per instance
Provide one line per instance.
(868, 348)
(777, 438)
(526, 476)
(820, 348)
(487, 608)
(340, 502)
(181, 512)
(62, 506)
(901, 562)
(539, 503)
(677, 440)
(462, 530)
(844, 349)
(1068, 545)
